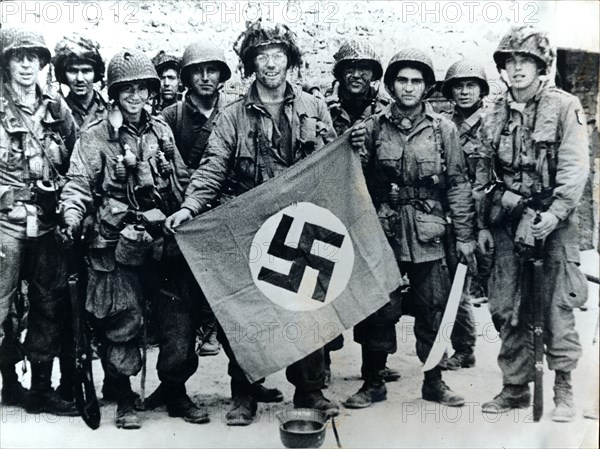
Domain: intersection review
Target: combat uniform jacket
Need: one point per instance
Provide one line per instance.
(97, 111)
(240, 151)
(192, 128)
(54, 128)
(428, 167)
(92, 175)
(342, 121)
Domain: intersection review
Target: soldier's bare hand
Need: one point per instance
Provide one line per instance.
(485, 241)
(467, 249)
(358, 136)
(177, 219)
(545, 226)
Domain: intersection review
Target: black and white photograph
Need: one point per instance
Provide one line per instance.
(299, 224)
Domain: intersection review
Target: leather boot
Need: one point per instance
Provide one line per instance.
(370, 392)
(117, 387)
(180, 405)
(13, 392)
(244, 405)
(210, 345)
(126, 417)
(67, 378)
(435, 389)
(156, 399)
(511, 396)
(264, 394)
(42, 398)
(563, 398)
(315, 400)
(457, 361)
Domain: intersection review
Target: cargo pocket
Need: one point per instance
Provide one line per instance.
(111, 216)
(428, 166)
(429, 227)
(102, 259)
(574, 293)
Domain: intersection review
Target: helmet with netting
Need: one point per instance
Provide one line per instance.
(256, 36)
(200, 53)
(75, 49)
(16, 40)
(163, 61)
(463, 70)
(356, 50)
(410, 57)
(525, 40)
(130, 65)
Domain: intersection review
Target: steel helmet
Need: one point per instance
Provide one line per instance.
(356, 50)
(465, 69)
(255, 36)
(526, 40)
(201, 52)
(14, 39)
(410, 57)
(77, 48)
(131, 65)
(162, 60)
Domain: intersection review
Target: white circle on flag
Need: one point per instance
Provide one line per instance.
(302, 257)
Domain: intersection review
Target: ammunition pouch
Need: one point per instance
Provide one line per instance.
(408, 195)
(133, 246)
(429, 227)
(153, 220)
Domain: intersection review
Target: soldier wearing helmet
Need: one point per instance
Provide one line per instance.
(125, 175)
(415, 171)
(466, 85)
(276, 113)
(168, 67)
(37, 135)
(79, 65)
(535, 143)
(357, 70)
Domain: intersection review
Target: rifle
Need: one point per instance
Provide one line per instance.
(84, 389)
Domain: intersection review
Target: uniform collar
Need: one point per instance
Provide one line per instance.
(253, 100)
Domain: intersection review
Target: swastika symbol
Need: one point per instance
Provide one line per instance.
(301, 257)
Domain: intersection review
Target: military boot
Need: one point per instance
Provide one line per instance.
(264, 394)
(435, 389)
(244, 406)
(563, 398)
(126, 417)
(210, 345)
(13, 392)
(156, 399)
(180, 405)
(42, 398)
(315, 400)
(370, 392)
(66, 388)
(457, 361)
(511, 396)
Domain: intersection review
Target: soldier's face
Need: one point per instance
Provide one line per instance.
(205, 79)
(169, 84)
(522, 71)
(24, 68)
(270, 66)
(357, 77)
(466, 93)
(409, 87)
(80, 79)
(133, 96)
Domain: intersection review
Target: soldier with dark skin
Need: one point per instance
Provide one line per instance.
(357, 69)
(167, 66)
(291, 124)
(125, 176)
(415, 171)
(37, 135)
(534, 142)
(466, 85)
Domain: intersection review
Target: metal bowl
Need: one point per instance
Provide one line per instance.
(302, 427)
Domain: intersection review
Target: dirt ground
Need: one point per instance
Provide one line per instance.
(404, 420)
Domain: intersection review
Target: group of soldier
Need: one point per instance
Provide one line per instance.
(119, 179)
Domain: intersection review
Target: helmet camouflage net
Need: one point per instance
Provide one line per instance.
(465, 69)
(131, 65)
(163, 61)
(77, 49)
(199, 53)
(356, 50)
(528, 41)
(410, 57)
(256, 36)
(15, 40)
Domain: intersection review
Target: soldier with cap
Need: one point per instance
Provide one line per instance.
(167, 66)
(466, 85)
(125, 176)
(79, 65)
(534, 143)
(37, 135)
(357, 69)
(255, 139)
(415, 170)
